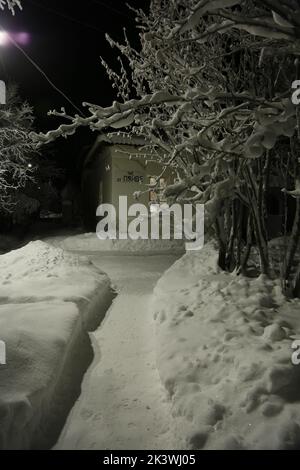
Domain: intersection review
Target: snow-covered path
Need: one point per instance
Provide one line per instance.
(123, 404)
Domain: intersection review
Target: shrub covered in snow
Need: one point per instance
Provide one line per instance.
(10, 4)
(16, 149)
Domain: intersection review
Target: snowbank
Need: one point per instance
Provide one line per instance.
(49, 299)
(224, 355)
(90, 242)
(39, 271)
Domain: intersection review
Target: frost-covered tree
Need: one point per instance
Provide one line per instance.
(210, 91)
(11, 5)
(16, 149)
(16, 146)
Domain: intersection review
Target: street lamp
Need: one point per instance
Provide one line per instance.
(4, 38)
(22, 38)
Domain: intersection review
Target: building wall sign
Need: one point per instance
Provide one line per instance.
(130, 177)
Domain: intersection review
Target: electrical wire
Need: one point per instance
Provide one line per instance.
(67, 17)
(41, 71)
(74, 20)
(109, 7)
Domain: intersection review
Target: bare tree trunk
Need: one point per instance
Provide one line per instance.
(221, 243)
(258, 224)
(296, 289)
(230, 258)
(284, 283)
(293, 244)
(239, 236)
(295, 235)
(249, 245)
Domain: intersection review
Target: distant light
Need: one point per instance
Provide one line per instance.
(29, 165)
(22, 38)
(4, 38)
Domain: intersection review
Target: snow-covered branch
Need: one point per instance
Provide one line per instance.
(16, 149)
(11, 5)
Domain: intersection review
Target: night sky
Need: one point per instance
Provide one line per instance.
(66, 40)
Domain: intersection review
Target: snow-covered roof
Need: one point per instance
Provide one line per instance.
(120, 138)
(117, 138)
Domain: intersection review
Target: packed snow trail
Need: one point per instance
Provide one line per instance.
(123, 404)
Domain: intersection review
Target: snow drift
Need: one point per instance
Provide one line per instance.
(224, 355)
(90, 242)
(49, 300)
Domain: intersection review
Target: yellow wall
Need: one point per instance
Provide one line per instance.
(129, 175)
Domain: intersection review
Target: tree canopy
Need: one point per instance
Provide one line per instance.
(210, 91)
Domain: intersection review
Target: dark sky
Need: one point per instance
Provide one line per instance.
(67, 39)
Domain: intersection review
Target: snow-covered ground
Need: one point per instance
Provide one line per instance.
(89, 242)
(205, 362)
(123, 404)
(224, 355)
(48, 301)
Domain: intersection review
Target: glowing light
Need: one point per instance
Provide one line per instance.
(29, 165)
(22, 38)
(4, 38)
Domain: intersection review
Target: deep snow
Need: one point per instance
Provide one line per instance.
(48, 300)
(220, 344)
(123, 404)
(224, 346)
(89, 242)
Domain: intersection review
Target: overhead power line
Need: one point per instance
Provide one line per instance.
(67, 17)
(41, 71)
(109, 7)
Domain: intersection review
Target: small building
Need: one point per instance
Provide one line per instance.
(120, 166)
